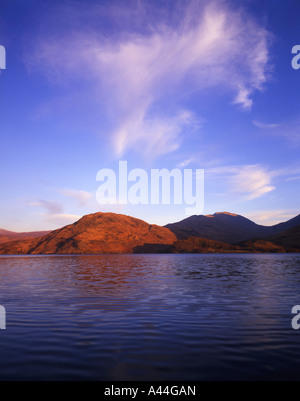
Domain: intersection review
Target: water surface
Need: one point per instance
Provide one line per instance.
(150, 317)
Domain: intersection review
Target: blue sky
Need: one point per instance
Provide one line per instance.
(161, 84)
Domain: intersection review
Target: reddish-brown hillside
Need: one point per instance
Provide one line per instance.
(6, 235)
(95, 233)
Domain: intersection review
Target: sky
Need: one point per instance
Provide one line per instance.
(161, 84)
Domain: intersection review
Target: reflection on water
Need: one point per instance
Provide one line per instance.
(150, 317)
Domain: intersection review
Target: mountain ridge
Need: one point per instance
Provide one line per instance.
(95, 233)
(118, 233)
(226, 227)
(6, 235)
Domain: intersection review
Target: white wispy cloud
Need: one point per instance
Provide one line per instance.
(247, 181)
(296, 178)
(254, 181)
(271, 217)
(153, 136)
(139, 70)
(185, 163)
(265, 125)
(288, 130)
(51, 207)
(63, 218)
(80, 196)
(53, 212)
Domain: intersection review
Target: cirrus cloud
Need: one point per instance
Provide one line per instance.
(134, 73)
(247, 181)
(80, 196)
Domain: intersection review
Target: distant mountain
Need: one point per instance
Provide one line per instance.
(288, 239)
(295, 221)
(6, 235)
(226, 227)
(96, 233)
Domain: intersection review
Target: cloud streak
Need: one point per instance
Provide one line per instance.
(53, 212)
(80, 196)
(247, 181)
(288, 130)
(50, 206)
(271, 217)
(265, 125)
(141, 71)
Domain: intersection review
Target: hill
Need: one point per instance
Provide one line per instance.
(95, 233)
(117, 233)
(6, 235)
(226, 227)
(288, 239)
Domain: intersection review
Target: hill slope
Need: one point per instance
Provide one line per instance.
(288, 239)
(95, 233)
(226, 227)
(116, 233)
(6, 235)
(201, 245)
